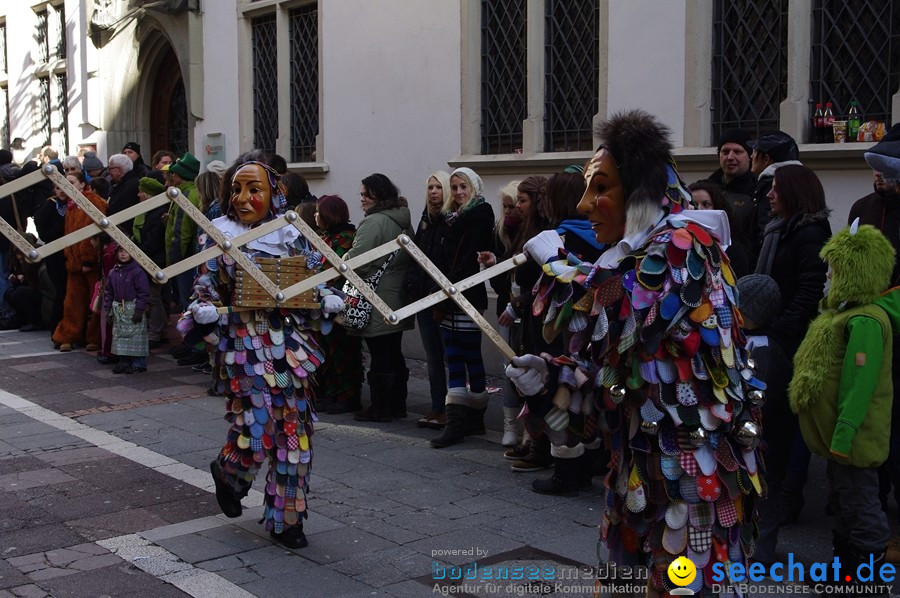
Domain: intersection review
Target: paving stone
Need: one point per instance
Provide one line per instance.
(175, 511)
(22, 463)
(76, 455)
(464, 539)
(10, 432)
(29, 591)
(409, 589)
(390, 532)
(10, 576)
(126, 521)
(37, 539)
(117, 580)
(344, 543)
(34, 478)
(482, 504)
(194, 548)
(292, 575)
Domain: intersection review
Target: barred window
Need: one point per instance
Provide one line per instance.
(43, 37)
(3, 60)
(571, 50)
(60, 31)
(856, 56)
(749, 79)
(44, 125)
(304, 34)
(4, 118)
(504, 100)
(62, 108)
(265, 83)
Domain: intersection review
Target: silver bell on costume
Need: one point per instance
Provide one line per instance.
(698, 437)
(756, 397)
(651, 428)
(748, 434)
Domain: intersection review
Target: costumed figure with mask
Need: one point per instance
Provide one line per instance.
(842, 389)
(264, 359)
(656, 357)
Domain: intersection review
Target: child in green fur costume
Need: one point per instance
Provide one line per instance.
(842, 390)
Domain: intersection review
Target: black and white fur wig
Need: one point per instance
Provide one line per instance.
(640, 147)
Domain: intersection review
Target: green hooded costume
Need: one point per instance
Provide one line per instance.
(841, 389)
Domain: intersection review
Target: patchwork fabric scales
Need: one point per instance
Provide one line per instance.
(657, 347)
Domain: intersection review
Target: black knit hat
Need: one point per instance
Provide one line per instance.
(739, 136)
(759, 298)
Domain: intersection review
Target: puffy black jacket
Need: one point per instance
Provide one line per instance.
(429, 238)
(472, 232)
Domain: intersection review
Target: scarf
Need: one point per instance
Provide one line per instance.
(452, 217)
(769, 246)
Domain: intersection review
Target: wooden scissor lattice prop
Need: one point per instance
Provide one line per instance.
(232, 247)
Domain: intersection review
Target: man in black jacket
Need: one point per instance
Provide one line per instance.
(735, 177)
(124, 192)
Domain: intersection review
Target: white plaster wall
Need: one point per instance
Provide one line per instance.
(23, 89)
(390, 83)
(220, 80)
(647, 60)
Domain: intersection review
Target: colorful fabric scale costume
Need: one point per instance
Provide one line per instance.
(656, 365)
(265, 360)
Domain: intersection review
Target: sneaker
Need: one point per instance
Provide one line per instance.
(92, 347)
(65, 347)
(202, 367)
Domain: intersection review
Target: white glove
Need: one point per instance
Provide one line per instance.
(528, 373)
(332, 304)
(204, 313)
(544, 247)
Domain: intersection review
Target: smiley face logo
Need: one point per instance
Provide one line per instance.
(682, 571)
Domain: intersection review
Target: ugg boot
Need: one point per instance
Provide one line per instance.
(455, 430)
(380, 386)
(565, 478)
(512, 427)
(477, 403)
(399, 394)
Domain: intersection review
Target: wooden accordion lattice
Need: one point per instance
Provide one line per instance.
(281, 271)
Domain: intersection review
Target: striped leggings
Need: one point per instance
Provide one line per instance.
(462, 349)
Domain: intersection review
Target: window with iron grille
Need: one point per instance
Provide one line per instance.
(3, 48)
(856, 56)
(44, 125)
(571, 63)
(304, 34)
(265, 83)
(62, 108)
(4, 119)
(504, 100)
(43, 37)
(60, 31)
(749, 79)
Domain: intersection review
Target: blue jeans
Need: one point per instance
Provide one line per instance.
(430, 331)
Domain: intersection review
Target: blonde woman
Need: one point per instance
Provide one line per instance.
(470, 230)
(429, 238)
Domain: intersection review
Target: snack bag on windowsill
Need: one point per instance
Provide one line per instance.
(871, 131)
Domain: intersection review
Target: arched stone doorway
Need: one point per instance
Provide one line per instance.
(168, 108)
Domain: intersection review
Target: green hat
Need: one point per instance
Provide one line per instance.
(151, 186)
(187, 167)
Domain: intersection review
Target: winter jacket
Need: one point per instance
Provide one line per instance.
(761, 207)
(376, 229)
(429, 238)
(81, 253)
(739, 195)
(149, 234)
(124, 195)
(850, 422)
(471, 232)
(181, 227)
(127, 282)
(882, 212)
(800, 274)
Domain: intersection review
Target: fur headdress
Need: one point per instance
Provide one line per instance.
(861, 262)
(640, 146)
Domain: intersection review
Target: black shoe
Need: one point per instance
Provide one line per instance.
(204, 368)
(563, 482)
(136, 370)
(194, 358)
(108, 359)
(228, 502)
(122, 369)
(292, 537)
(130, 370)
(455, 430)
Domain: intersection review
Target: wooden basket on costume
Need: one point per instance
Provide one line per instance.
(284, 272)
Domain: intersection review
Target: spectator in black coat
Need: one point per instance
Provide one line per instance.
(124, 192)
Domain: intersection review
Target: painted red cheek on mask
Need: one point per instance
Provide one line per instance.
(256, 203)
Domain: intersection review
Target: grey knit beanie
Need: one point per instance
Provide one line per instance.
(759, 298)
